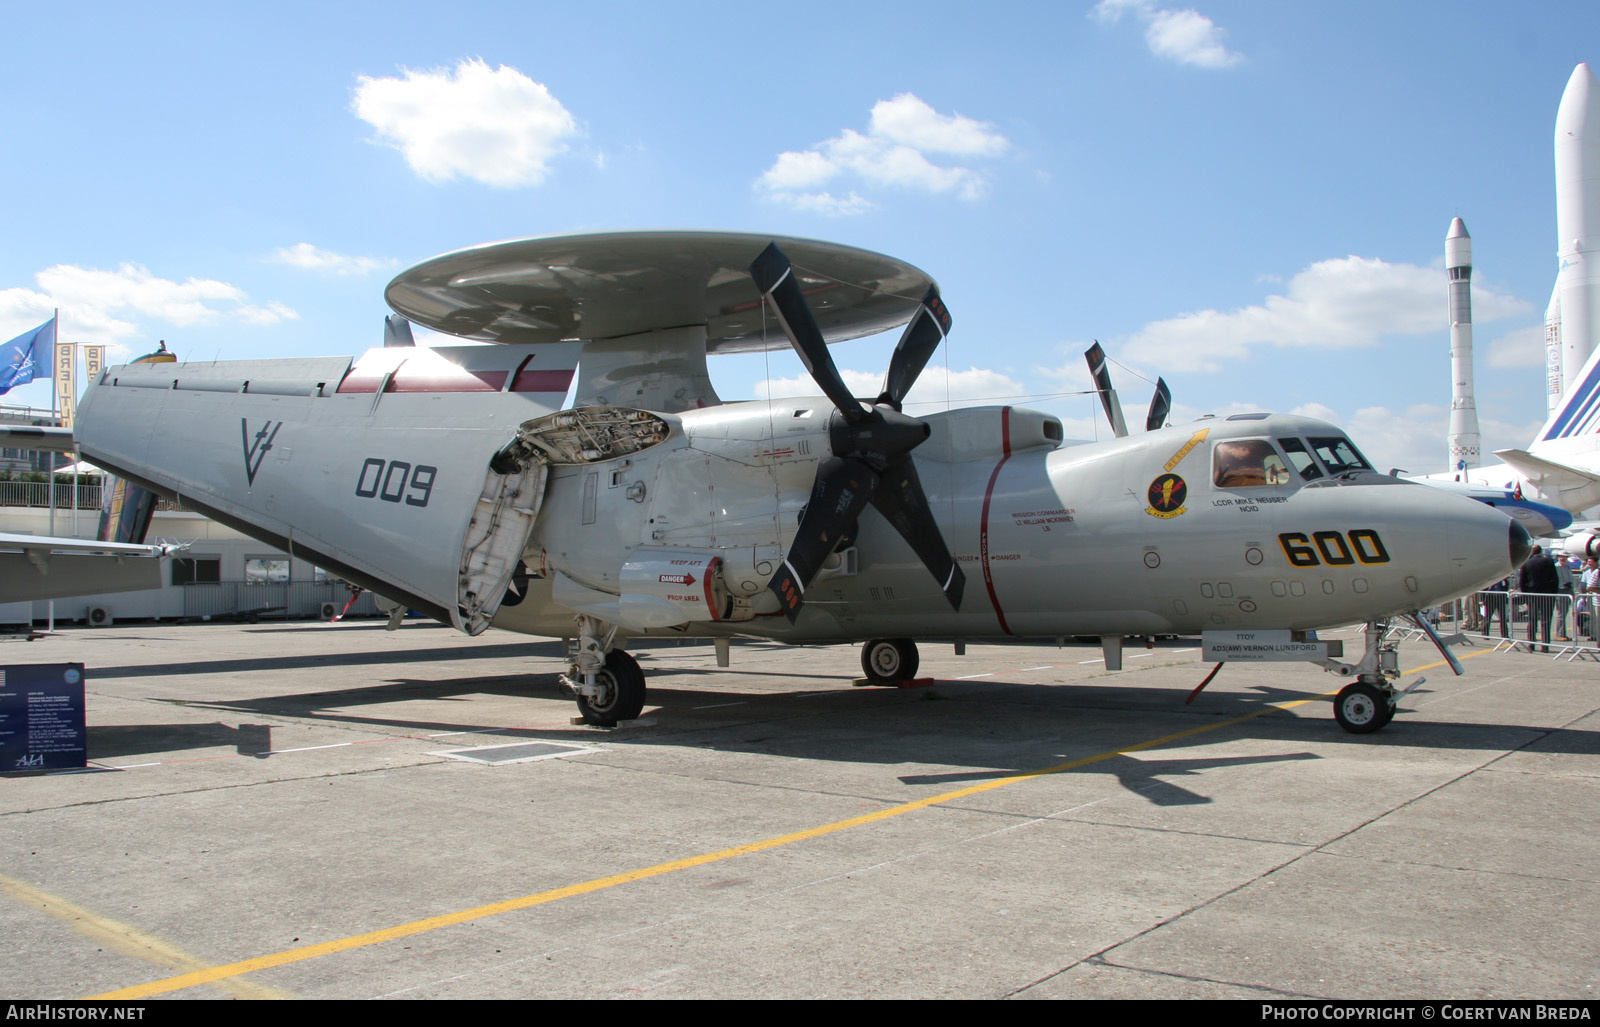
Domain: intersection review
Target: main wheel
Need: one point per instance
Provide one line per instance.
(889, 661)
(1361, 708)
(621, 691)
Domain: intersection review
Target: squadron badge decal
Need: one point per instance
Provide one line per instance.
(1166, 495)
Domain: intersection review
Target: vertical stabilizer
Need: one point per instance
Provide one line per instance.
(1096, 356)
(397, 331)
(126, 508)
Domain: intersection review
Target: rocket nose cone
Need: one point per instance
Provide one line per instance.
(1458, 230)
(1578, 113)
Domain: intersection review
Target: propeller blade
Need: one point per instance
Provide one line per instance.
(899, 497)
(844, 485)
(922, 336)
(1108, 396)
(1160, 406)
(776, 281)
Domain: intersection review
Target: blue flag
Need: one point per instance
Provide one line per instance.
(27, 357)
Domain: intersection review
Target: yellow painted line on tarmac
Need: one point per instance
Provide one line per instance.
(129, 941)
(213, 974)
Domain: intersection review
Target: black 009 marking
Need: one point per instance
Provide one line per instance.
(1333, 548)
(395, 481)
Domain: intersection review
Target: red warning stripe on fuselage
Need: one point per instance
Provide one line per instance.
(983, 524)
(432, 379)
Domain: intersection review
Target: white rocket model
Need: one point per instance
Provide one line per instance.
(1464, 446)
(1558, 474)
(1572, 320)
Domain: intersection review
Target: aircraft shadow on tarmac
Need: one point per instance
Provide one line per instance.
(367, 658)
(999, 728)
(114, 741)
(1143, 777)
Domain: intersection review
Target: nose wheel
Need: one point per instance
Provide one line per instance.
(1362, 708)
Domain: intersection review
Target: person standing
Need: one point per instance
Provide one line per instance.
(1568, 570)
(1496, 603)
(1588, 586)
(1539, 583)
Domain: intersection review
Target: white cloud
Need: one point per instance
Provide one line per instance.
(100, 306)
(1333, 304)
(1523, 347)
(830, 205)
(892, 153)
(909, 121)
(1109, 12)
(309, 258)
(1184, 36)
(1415, 439)
(133, 289)
(497, 126)
(272, 313)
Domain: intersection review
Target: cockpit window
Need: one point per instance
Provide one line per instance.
(1248, 462)
(1339, 456)
(1301, 459)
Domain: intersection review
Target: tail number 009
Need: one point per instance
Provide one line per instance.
(1333, 548)
(396, 481)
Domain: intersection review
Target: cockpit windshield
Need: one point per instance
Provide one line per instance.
(1338, 455)
(1301, 459)
(1248, 462)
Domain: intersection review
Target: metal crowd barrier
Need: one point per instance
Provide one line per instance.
(1507, 620)
(286, 600)
(37, 493)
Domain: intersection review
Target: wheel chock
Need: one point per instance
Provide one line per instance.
(910, 683)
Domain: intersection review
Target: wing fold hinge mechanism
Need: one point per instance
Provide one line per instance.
(583, 435)
(514, 489)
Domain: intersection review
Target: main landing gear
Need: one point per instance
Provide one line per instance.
(608, 682)
(889, 661)
(618, 693)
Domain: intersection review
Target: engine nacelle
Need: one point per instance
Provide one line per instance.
(691, 582)
(1582, 545)
(660, 589)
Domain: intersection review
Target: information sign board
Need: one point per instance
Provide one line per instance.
(42, 717)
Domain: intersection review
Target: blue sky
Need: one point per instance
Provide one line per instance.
(1249, 198)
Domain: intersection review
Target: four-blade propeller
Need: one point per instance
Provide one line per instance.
(871, 448)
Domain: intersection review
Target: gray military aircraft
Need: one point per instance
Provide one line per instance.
(451, 481)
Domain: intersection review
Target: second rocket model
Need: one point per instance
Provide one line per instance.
(1573, 317)
(1464, 443)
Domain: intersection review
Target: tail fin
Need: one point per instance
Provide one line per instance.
(1579, 410)
(125, 510)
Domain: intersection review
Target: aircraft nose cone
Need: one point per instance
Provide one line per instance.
(1521, 545)
(1485, 545)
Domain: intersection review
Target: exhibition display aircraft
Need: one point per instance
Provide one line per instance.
(1561, 467)
(451, 481)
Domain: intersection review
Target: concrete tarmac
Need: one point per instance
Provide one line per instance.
(271, 811)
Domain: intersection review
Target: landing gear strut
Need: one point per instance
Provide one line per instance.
(1368, 702)
(889, 661)
(608, 682)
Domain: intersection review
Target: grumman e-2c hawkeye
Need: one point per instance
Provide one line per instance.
(449, 480)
